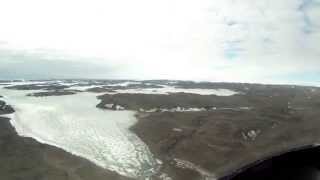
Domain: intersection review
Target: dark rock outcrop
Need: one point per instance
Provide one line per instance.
(37, 87)
(52, 93)
(5, 109)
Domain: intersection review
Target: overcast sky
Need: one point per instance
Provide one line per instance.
(271, 41)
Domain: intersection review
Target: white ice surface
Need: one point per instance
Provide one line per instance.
(124, 83)
(82, 88)
(164, 90)
(74, 123)
(169, 89)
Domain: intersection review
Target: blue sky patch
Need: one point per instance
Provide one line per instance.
(233, 49)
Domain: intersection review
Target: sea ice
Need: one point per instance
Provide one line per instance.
(75, 124)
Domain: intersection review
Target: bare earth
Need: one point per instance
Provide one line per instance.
(220, 141)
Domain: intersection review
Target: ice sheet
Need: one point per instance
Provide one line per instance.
(74, 123)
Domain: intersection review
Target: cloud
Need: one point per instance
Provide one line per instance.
(224, 40)
(26, 65)
(233, 49)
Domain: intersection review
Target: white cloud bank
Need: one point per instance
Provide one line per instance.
(223, 40)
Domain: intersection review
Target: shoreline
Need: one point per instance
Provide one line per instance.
(120, 125)
(31, 157)
(210, 137)
(48, 158)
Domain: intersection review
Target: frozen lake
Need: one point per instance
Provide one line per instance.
(74, 124)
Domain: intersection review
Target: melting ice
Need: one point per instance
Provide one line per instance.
(74, 123)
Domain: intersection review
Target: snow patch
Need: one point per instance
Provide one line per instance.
(177, 129)
(82, 88)
(251, 134)
(170, 89)
(189, 165)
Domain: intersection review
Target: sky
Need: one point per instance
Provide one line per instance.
(265, 41)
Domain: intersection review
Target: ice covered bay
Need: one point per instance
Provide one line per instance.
(74, 124)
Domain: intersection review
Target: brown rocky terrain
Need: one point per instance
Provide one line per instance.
(218, 142)
(150, 101)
